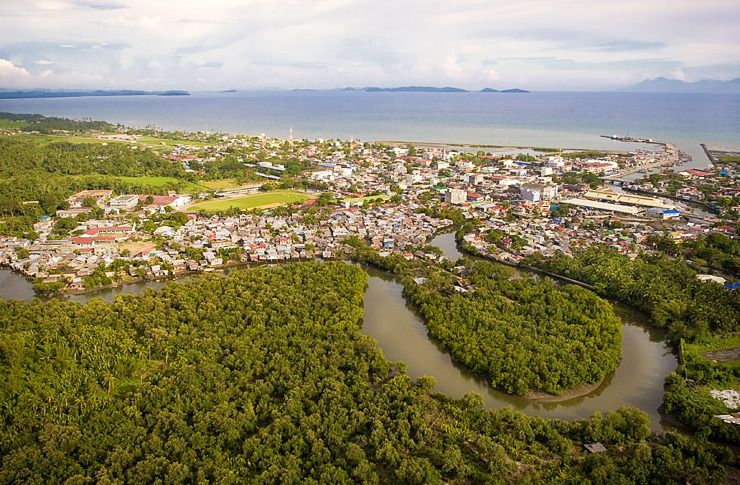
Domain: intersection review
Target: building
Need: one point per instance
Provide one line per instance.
(630, 199)
(67, 213)
(77, 200)
(605, 206)
(174, 201)
(124, 202)
(538, 192)
(456, 196)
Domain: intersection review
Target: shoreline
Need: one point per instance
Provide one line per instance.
(568, 394)
(504, 147)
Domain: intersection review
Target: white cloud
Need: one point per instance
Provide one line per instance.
(12, 75)
(535, 44)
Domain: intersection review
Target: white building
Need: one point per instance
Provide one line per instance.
(538, 192)
(124, 202)
(456, 196)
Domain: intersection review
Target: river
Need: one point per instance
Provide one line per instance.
(402, 336)
(638, 381)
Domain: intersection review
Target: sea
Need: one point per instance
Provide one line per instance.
(567, 120)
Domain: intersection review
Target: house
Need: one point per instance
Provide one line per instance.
(117, 230)
(538, 192)
(709, 277)
(174, 201)
(696, 173)
(595, 447)
(90, 241)
(456, 196)
(671, 214)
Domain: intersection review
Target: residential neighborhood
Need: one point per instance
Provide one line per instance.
(526, 203)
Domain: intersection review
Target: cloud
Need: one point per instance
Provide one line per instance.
(627, 45)
(538, 44)
(12, 75)
(101, 5)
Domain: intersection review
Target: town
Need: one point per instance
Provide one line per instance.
(525, 202)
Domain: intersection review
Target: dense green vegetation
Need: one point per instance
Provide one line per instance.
(50, 124)
(704, 313)
(576, 178)
(689, 400)
(38, 178)
(667, 289)
(714, 251)
(521, 334)
(264, 377)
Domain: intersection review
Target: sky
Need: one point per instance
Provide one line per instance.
(284, 44)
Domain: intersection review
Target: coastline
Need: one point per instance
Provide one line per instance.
(428, 144)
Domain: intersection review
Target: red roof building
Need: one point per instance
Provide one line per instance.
(160, 200)
(93, 240)
(698, 173)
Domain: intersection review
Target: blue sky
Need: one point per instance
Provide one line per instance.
(224, 44)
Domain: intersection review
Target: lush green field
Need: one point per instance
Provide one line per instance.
(363, 199)
(11, 124)
(222, 184)
(253, 201)
(711, 350)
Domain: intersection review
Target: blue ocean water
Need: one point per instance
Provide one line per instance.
(551, 119)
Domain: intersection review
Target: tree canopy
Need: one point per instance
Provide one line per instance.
(263, 376)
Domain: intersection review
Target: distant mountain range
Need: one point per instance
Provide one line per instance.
(50, 93)
(514, 90)
(664, 85)
(422, 89)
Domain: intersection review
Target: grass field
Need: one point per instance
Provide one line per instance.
(714, 347)
(11, 125)
(352, 200)
(222, 184)
(253, 201)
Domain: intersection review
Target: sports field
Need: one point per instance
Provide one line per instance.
(253, 201)
(369, 198)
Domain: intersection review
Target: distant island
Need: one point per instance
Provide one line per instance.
(665, 85)
(514, 90)
(423, 89)
(49, 93)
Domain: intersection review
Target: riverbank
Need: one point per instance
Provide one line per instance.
(566, 395)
